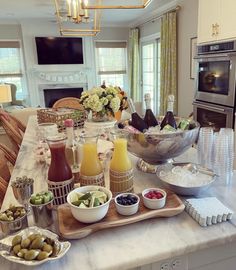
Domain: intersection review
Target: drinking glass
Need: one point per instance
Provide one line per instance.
(45, 130)
(224, 154)
(205, 147)
(22, 192)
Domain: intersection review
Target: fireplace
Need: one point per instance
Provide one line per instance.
(52, 95)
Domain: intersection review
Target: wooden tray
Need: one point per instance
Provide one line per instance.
(70, 228)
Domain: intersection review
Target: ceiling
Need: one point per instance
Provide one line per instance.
(16, 11)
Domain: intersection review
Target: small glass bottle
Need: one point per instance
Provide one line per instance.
(121, 172)
(91, 171)
(69, 124)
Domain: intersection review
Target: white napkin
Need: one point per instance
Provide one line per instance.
(208, 211)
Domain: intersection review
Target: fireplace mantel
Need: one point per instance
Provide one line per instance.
(56, 79)
(42, 87)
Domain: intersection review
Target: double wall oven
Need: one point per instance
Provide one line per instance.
(214, 102)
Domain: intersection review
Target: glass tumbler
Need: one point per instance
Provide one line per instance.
(205, 147)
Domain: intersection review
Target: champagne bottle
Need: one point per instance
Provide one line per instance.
(136, 121)
(169, 117)
(103, 85)
(149, 117)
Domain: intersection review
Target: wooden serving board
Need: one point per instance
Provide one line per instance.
(70, 228)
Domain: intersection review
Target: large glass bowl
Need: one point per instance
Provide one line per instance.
(157, 149)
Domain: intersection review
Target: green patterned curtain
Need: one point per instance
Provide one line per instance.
(134, 64)
(168, 84)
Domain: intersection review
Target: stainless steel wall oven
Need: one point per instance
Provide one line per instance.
(214, 103)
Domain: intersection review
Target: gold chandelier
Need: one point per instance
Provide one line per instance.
(83, 17)
(117, 4)
(74, 20)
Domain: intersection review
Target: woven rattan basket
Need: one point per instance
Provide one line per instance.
(58, 116)
(121, 181)
(60, 190)
(97, 180)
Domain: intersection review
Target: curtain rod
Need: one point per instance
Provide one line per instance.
(158, 17)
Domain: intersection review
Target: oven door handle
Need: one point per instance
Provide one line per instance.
(209, 107)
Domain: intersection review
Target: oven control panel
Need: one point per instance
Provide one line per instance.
(218, 47)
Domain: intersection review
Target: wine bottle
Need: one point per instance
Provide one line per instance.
(169, 117)
(149, 117)
(136, 121)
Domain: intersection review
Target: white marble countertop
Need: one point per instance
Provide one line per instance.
(131, 245)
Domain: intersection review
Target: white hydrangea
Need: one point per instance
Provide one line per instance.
(101, 100)
(104, 101)
(112, 90)
(115, 104)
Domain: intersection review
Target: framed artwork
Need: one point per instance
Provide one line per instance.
(193, 53)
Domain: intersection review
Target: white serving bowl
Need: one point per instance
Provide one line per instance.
(154, 203)
(93, 214)
(183, 189)
(127, 210)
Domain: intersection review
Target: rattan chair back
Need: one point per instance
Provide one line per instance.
(7, 162)
(14, 130)
(68, 102)
(3, 189)
(10, 155)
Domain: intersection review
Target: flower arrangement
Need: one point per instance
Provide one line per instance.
(103, 101)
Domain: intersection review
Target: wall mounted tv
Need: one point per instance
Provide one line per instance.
(59, 50)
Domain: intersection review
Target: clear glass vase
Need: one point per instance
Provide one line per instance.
(98, 117)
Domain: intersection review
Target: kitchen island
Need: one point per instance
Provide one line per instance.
(177, 241)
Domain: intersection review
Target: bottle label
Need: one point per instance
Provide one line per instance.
(170, 103)
(170, 106)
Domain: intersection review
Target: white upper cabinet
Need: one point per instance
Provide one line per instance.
(227, 20)
(216, 20)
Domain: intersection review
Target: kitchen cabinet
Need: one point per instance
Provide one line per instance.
(227, 20)
(216, 20)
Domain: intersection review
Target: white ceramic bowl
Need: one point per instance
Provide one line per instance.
(127, 210)
(154, 203)
(89, 215)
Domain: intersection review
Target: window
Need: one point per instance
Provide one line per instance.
(11, 66)
(111, 63)
(150, 71)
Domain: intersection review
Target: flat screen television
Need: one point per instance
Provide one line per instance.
(59, 50)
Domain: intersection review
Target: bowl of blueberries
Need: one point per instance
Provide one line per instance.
(127, 203)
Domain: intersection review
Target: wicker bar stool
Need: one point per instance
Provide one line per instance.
(13, 128)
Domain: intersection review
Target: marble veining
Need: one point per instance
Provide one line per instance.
(133, 245)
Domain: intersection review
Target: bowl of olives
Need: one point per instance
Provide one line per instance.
(33, 246)
(13, 219)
